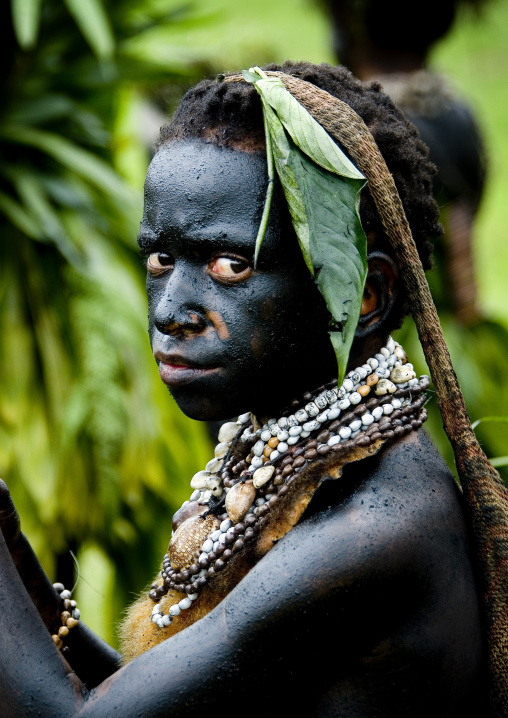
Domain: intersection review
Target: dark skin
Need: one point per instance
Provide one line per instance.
(367, 607)
(208, 307)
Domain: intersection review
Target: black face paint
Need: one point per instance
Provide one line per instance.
(227, 338)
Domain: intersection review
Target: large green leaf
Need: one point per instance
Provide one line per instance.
(287, 160)
(325, 209)
(269, 192)
(322, 188)
(305, 132)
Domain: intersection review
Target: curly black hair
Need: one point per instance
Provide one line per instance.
(230, 114)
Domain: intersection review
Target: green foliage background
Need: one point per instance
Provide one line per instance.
(96, 454)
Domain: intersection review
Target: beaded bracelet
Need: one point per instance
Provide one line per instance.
(69, 616)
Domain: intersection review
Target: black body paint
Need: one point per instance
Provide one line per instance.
(252, 343)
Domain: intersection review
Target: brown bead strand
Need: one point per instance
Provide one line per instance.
(292, 462)
(68, 620)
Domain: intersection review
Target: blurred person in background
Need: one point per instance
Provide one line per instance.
(389, 43)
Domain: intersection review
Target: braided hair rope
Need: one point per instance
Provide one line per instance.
(485, 495)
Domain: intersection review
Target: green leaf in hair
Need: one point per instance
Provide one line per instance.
(322, 189)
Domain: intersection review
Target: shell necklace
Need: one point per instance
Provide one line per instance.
(380, 399)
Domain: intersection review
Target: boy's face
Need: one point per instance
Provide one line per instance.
(227, 338)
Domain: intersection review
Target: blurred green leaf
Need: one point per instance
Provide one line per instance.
(34, 197)
(491, 419)
(25, 18)
(94, 24)
(42, 109)
(91, 444)
(84, 163)
(499, 461)
(19, 217)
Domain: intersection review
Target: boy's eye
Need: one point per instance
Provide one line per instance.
(230, 267)
(158, 262)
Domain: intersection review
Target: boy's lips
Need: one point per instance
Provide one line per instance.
(175, 369)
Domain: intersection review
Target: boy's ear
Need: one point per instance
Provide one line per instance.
(380, 293)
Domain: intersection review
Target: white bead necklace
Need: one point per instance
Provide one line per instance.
(381, 376)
